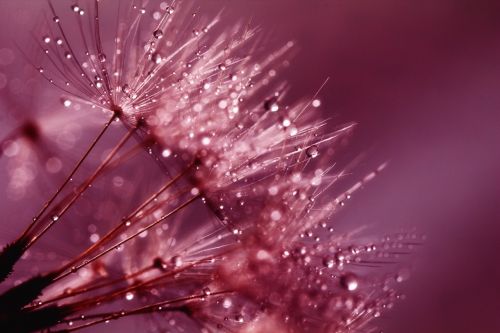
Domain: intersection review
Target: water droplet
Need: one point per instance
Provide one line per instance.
(166, 153)
(205, 141)
(222, 67)
(66, 103)
(56, 19)
(227, 303)
(67, 55)
(271, 105)
(207, 291)
(55, 218)
(75, 8)
(176, 261)
(328, 262)
(316, 103)
(126, 89)
(46, 39)
(312, 151)
(275, 215)
(156, 58)
(94, 238)
(101, 57)
(158, 34)
(59, 41)
(129, 296)
(349, 282)
(159, 263)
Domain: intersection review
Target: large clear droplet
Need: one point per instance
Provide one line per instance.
(206, 291)
(328, 262)
(271, 105)
(158, 34)
(156, 58)
(312, 151)
(102, 57)
(316, 103)
(349, 282)
(176, 261)
(126, 89)
(66, 103)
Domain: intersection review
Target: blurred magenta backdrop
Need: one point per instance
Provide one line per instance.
(422, 79)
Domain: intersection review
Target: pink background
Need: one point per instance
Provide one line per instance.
(422, 79)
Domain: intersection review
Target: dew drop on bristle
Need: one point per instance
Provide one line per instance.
(46, 39)
(166, 153)
(102, 57)
(316, 103)
(271, 105)
(312, 151)
(159, 264)
(176, 261)
(66, 103)
(206, 291)
(156, 58)
(349, 282)
(126, 89)
(328, 262)
(158, 34)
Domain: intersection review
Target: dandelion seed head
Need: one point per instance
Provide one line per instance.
(242, 240)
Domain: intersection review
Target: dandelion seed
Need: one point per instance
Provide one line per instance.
(228, 231)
